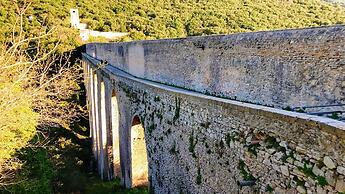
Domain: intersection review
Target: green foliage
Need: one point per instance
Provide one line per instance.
(321, 180)
(300, 110)
(36, 174)
(17, 119)
(173, 149)
(252, 148)
(271, 142)
(177, 109)
(307, 170)
(298, 181)
(288, 108)
(334, 116)
(205, 125)
(286, 156)
(245, 174)
(111, 187)
(269, 189)
(198, 177)
(192, 144)
(228, 138)
(63, 166)
(144, 19)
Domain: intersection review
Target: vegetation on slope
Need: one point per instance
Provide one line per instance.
(54, 161)
(146, 19)
(37, 87)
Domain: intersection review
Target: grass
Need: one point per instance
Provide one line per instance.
(111, 187)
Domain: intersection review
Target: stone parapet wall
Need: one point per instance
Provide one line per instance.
(302, 67)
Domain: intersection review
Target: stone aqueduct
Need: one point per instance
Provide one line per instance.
(206, 114)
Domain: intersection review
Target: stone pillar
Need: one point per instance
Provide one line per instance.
(88, 87)
(101, 123)
(93, 118)
(87, 83)
(106, 130)
(114, 122)
(96, 119)
(125, 147)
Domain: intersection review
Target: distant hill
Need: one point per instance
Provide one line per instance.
(153, 19)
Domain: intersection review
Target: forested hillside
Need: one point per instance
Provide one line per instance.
(147, 19)
(44, 145)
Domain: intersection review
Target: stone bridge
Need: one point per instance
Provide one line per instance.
(221, 114)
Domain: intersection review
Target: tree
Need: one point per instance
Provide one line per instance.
(37, 86)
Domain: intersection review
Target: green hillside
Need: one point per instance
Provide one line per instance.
(147, 19)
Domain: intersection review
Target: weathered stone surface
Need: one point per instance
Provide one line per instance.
(320, 190)
(317, 171)
(298, 163)
(328, 162)
(340, 185)
(341, 170)
(301, 189)
(285, 170)
(329, 175)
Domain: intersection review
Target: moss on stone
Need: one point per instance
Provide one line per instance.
(321, 180)
(177, 109)
(206, 125)
(272, 142)
(299, 182)
(308, 171)
(156, 99)
(192, 144)
(245, 174)
(269, 189)
(173, 149)
(198, 177)
(252, 148)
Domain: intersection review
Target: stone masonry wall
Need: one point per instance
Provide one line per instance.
(200, 144)
(302, 67)
(199, 139)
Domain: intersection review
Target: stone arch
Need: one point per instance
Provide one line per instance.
(139, 162)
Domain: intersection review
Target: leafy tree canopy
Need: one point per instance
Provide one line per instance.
(147, 19)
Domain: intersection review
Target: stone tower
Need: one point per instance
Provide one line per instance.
(74, 18)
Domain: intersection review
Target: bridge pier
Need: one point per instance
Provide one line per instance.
(110, 145)
(100, 125)
(114, 122)
(125, 147)
(95, 125)
(109, 141)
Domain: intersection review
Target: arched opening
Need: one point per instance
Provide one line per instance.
(139, 155)
(115, 120)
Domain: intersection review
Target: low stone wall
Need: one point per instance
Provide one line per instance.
(202, 144)
(300, 67)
